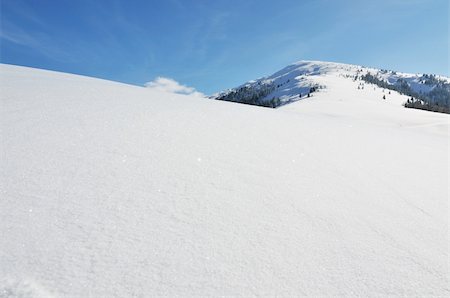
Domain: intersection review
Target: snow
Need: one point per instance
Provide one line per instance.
(112, 190)
(294, 81)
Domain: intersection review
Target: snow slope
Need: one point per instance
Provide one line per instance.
(295, 81)
(111, 190)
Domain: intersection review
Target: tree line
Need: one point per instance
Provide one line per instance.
(437, 100)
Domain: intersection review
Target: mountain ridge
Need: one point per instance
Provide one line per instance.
(299, 80)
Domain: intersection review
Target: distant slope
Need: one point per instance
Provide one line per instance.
(299, 80)
(426, 92)
(111, 190)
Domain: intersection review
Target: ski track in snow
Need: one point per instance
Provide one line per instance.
(111, 190)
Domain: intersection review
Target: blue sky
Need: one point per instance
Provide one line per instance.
(217, 44)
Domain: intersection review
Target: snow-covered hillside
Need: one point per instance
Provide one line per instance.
(112, 190)
(300, 79)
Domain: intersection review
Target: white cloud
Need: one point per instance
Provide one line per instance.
(172, 86)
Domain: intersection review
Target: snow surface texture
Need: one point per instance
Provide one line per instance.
(294, 82)
(111, 190)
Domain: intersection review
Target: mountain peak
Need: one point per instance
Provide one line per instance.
(302, 78)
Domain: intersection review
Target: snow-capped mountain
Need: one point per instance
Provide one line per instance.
(113, 190)
(303, 78)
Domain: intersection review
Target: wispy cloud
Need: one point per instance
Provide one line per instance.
(38, 41)
(21, 10)
(14, 34)
(171, 86)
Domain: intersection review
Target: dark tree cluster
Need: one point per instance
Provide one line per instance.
(419, 104)
(252, 95)
(437, 100)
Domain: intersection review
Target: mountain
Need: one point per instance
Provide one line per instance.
(112, 190)
(301, 79)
